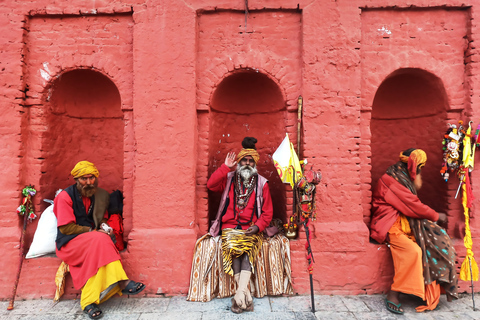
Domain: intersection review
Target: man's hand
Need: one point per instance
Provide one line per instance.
(230, 160)
(252, 230)
(442, 218)
(107, 233)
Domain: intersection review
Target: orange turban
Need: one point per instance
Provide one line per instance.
(417, 159)
(248, 152)
(83, 168)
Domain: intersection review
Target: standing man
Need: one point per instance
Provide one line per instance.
(84, 241)
(422, 252)
(245, 211)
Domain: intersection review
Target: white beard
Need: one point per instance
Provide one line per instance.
(246, 172)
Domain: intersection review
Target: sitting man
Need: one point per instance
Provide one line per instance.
(422, 252)
(245, 210)
(235, 248)
(84, 241)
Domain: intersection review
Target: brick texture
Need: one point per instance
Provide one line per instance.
(157, 92)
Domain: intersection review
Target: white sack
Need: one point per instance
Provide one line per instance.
(44, 239)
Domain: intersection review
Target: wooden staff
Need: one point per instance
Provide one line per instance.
(297, 202)
(21, 256)
(471, 280)
(310, 261)
(28, 213)
(299, 124)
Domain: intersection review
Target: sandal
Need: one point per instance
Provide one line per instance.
(397, 309)
(93, 311)
(133, 288)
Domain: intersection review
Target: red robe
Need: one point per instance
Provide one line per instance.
(217, 183)
(391, 198)
(87, 252)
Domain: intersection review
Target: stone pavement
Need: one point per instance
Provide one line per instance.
(369, 307)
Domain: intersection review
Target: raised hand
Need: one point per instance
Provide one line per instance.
(230, 160)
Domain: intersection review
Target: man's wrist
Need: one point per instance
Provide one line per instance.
(225, 167)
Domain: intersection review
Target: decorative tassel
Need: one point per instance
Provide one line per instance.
(465, 274)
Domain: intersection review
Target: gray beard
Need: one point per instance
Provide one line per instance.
(246, 172)
(87, 191)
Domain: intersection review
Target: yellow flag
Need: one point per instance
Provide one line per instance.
(295, 168)
(286, 162)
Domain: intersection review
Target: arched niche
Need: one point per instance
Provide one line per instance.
(248, 103)
(410, 111)
(247, 92)
(84, 121)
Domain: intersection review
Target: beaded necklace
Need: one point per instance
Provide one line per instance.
(244, 196)
(235, 206)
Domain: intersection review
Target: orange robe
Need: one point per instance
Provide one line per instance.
(407, 262)
(391, 202)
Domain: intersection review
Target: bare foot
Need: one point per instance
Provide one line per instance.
(122, 284)
(235, 308)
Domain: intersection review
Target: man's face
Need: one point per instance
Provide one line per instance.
(87, 185)
(246, 168)
(247, 160)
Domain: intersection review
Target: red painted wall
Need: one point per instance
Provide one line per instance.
(156, 94)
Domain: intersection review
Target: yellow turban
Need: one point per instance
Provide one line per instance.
(248, 152)
(83, 168)
(417, 158)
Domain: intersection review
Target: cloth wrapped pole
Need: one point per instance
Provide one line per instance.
(465, 273)
(469, 269)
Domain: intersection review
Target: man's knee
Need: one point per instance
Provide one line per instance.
(413, 251)
(417, 251)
